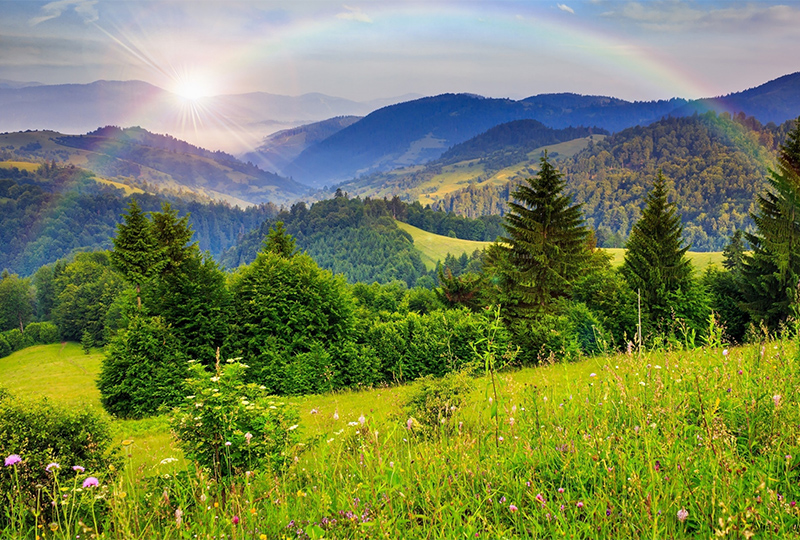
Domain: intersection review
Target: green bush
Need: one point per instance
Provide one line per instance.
(5, 346)
(42, 433)
(228, 427)
(16, 339)
(144, 370)
(42, 332)
(435, 401)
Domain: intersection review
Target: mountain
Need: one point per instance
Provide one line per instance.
(504, 153)
(714, 165)
(418, 131)
(155, 163)
(775, 101)
(282, 147)
(48, 212)
(234, 123)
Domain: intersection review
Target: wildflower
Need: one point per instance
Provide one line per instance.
(248, 437)
(52, 466)
(561, 490)
(511, 421)
(500, 438)
(580, 504)
(725, 352)
(13, 459)
(503, 499)
(91, 482)
(235, 520)
(352, 423)
(178, 516)
(682, 515)
(168, 460)
(592, 374)
(410, 422)
(777, 400)
(78, 468)
(314, 411)
(228, 443)
(336, 415)
(127, 442)
(512, 508)
(539, 497)
(362, 420)
(740, 372)
(294, 427)
(788, 457)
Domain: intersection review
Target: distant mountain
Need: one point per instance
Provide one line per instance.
(154, 163)
(234, 123)
(775, 101)
(504, 153)
(419, 131)
(6, 83)
(282, 147)
(714, 166)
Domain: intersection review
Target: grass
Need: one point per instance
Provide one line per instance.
(21, 165)
(667, 444)
(435, 247)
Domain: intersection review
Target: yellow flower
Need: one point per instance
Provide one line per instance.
(301, 493)
(262, 537)
(253, 511)
(216, 505)
(127, 442)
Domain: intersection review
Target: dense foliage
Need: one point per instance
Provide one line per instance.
(57, 211)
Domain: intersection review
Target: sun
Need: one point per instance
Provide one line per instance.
(192, 89)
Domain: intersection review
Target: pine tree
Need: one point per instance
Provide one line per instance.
(136, 254)
(546, 249)
(279, 241)
(655, 261)
(772, 272)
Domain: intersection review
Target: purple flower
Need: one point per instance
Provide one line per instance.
(512, 508)
(683, 514)
(52, 466)
(91, 482)
(580, 504)
(235, 520)
(502, 499)
(13, 459)
(78, 468)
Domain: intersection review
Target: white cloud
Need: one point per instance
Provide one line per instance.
(85, 8)
(564, 7)
(354, 14)
(683, 16)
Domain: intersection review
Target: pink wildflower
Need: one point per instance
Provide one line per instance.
(78, 468)
(235, 520)
(512, 508)
(13, 459)
(91, 482)
(52, 466)
(682, 515)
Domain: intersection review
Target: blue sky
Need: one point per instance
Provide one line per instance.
(370, 49)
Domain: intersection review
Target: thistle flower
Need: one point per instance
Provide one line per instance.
(91, 482)
(682, 515)
(52, 466)
(13, 459)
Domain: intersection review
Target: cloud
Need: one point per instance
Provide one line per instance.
(85, 8)
(675, 16)
(354, 14)
(564, 7)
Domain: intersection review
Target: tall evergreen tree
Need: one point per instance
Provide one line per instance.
(655, 261)
(136, 253)
(546, 249)
(772, 272)
(279, 241)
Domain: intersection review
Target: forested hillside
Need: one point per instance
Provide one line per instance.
(714, 165)
(53, 212)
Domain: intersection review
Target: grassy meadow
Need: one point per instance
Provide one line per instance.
(666, 444)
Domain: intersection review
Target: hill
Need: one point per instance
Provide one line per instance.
(715, 164)
(282, 147)
(154, 163)
(435, 248)
(507, 152)
(53, 211)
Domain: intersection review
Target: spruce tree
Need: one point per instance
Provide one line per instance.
(772, 273)
(279, 241)
(546, 249)
(136, 253)
(655, 261)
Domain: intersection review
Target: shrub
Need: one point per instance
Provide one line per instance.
(434, 402)
(5, 346)
(42, 433)
(42, 332)
(143, 370)
(228, 427)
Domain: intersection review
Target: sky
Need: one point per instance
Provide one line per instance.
(372, 49)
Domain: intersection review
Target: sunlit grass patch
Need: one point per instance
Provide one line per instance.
(21, 165)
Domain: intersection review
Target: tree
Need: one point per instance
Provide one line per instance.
(173, 237)
(16, 302)
(279, 241)
(136, 254)
(546, 249)
(655, 263)
(772, 273)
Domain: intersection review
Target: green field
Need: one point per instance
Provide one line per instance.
(435, 247)
(21, 165)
